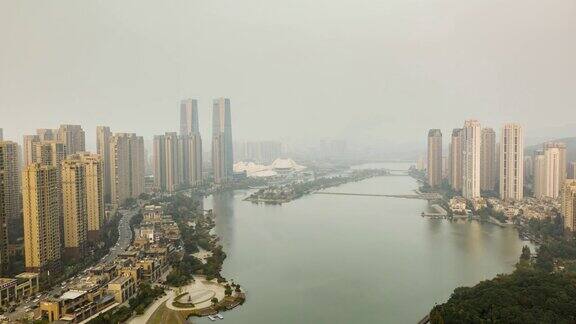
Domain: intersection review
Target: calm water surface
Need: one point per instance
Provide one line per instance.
(352, 259)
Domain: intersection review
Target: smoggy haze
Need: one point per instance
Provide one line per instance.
(364, 70)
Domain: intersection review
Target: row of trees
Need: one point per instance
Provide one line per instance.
(540, 290)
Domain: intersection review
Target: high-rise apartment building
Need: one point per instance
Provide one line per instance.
(49, 153)
(488, 160)
(222, 155)
(555, 169)
(28, 150)
(1, 134)
(455, 159)
(167, 161)
(569, 204)
(73, 137)
(83, 201)
(103, 136)
(472, 138)
(41, 206)
(47, 134)
(539, 173)
(10, 202)
(126, 167)
(74, 208)
(434, 166)
(512, 163)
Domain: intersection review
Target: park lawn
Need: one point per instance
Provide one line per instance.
(165, 315)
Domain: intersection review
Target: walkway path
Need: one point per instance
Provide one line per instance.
(143, 319)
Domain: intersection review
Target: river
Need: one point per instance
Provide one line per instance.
(352, 259)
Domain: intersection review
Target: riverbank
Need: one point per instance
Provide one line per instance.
(300, 263)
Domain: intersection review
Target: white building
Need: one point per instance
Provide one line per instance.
(471, 159)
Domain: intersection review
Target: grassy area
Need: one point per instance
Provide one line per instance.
(164, 315)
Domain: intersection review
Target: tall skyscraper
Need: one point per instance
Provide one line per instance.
(455, 159)
(159, 161)
(73, 137)
(189, 145)
(103, 135)
(41, 207)
(539, 172)
(189, 117)
(74, 206)
(126, 167)
(10, 202)
(471, 159)
(569, 204)
(434, 157)
(222, 155)
(512, 163)
(488, 160)
(1, 134)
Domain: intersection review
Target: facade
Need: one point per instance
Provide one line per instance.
(512, 163)
(455, 159)
(471, 159)
(222, 155)
(41, 206)
(488, 160)
(10, 201)
(73, 137)
(434, 166)
(126, 167)
(569, 204)
(103, 135)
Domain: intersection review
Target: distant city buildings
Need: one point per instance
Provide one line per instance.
(177, 159)
(488, 160)
(222, 152)
(550, 170)
(261, 152)
(471, 159)
(434, 165)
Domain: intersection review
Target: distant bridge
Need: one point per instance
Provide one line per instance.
(425, 196)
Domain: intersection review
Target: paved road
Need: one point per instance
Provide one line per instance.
(124, 239)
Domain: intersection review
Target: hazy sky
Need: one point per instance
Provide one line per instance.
(367, 70)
